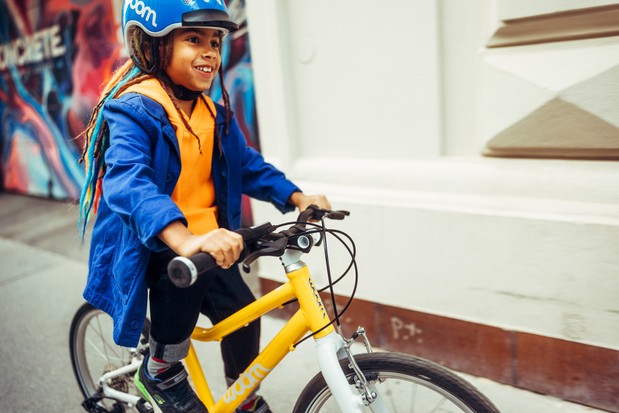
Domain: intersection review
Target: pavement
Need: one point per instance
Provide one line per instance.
(42, 274)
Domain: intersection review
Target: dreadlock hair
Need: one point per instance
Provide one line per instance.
(224, 92)
(142, 65)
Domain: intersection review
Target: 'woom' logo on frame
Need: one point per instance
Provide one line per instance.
(246, 381)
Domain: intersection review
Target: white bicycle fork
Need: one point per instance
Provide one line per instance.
(348, 400)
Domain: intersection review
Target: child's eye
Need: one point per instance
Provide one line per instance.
(215, 44)
(193, 39)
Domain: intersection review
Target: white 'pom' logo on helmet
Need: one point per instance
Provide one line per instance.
(218, 2)
(144, 11)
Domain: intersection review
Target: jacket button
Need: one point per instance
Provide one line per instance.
(134, 325)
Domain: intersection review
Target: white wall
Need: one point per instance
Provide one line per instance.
(386, 110)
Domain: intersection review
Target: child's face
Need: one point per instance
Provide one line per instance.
(196, 57)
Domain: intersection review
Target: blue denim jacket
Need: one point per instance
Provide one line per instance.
(143, 165)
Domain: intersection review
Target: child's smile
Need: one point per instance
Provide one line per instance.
(205, 69)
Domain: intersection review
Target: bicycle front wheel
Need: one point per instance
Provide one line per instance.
(405, 383)
(94, 353)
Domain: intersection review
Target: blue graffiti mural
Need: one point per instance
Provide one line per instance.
(54, 58)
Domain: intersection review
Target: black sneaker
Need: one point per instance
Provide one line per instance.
(168, 392)
(255, 405)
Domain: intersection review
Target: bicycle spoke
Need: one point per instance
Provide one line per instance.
(104, 341)
(102, 354)
(439, 405)
(96, 348)
(100, 334)
(104, 346)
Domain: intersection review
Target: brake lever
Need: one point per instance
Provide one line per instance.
(251, 234)
(337, 215)
(317, 214)
(270, 248)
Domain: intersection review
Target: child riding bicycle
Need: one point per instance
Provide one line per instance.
(166, 168)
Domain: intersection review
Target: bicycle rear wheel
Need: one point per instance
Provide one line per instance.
(94, 353)
(405, 383)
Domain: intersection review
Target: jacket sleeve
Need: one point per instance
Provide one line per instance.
(129, 186)
(261, 180)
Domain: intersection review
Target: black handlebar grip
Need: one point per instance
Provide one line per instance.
(184, 271)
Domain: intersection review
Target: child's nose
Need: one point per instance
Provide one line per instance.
(209, 52)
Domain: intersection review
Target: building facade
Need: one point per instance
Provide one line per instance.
(475, 144)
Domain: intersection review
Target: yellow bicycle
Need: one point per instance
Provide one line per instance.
(351, 383)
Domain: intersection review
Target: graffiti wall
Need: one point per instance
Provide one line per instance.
(238, 77)
(54, 58)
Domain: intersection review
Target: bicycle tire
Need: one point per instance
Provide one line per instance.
(432, 387)
(93, 352)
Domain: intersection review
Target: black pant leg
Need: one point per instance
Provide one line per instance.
(226, 294)
(174, 311)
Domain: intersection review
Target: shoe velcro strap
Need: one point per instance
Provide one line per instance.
(172, 381)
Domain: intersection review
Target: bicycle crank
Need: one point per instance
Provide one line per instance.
(144, 407)
(92, 405)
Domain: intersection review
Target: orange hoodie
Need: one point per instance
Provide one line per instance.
(194, 192)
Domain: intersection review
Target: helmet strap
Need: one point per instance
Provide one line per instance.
(179, 92)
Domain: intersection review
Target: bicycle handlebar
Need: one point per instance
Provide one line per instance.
(259, 241)
(184, 271)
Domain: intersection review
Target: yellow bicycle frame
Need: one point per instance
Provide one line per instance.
(311, 316)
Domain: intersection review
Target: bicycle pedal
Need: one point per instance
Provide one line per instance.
(91, 405)
(144, 407)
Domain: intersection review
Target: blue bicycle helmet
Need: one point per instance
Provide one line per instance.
(159, 17)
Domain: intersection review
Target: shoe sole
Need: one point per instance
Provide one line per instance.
(145, 395)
